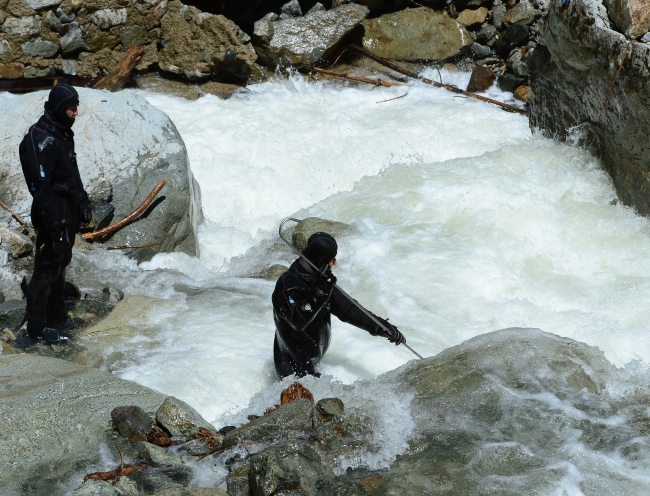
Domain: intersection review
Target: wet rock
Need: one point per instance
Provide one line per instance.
(156, 456)
(305, 228)
(40, 48)
(415, 34)
(237, 481)
(508, 82)
(515, 36)
(286, 467)
(301, 42)
(2, 296)
(222, 90)
(132, 422)
(12, 70)
(522, 13)
(272, 273)
(154, 480)
(522, 93)
(290, 419)
(472, 18)
(123, 487)
(318, 7)
(102, 215)
(154, 82)
(481, 51)
(19, 243)
(7, 349)
(72, 403)
(486, 34)
(194, 447)
(112, 295)
(498, 16)
(12, 314)
(294, 392)
(630, 16)
(193, 491)
(330, 407)
(180, 419)
(290, 9)
(72, 40)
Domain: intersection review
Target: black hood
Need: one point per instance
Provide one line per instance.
(62, 97)
(321, 249)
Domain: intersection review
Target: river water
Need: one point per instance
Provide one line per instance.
(464, 222)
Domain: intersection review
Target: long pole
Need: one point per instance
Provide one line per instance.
(355, 302)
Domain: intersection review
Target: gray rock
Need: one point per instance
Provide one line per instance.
(287, 467)
(318, 7)
(54, 22)
(154, 480)
(63, 17)
(40, 48)
(109, 18)
(55, 416)
(498, 15)
(123, 487)
(41, 4)
(38, 72)
(102, 215)
(292, 418)
(310, 225)
(73, 39)
(112, 295)
(645, 38)
(271, 273)
(193, 491)
(508, 82)
(578, 50)
(19, 243)
(180, 419)
(522, 13)
(515, 37)
(156, 456)
(69, 67)
(111, 159)
(23, 26)
(519, 68)
(486, 34)
(2, 297)
(409, 34)
(132, 422)
(5, 47)
(631, 16)
(134, 35)
(330, 407)
(303, 41)
(12, 314)
(481, 51)
(237, 481)
(291, 9)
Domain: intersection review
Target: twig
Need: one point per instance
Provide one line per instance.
(126, 247)
(113, 475)
(126, 220)
(505, 67)
(448, 87)
(14, 214)
(376, 82)
(121, 455)
(600, 113)
(391, 99)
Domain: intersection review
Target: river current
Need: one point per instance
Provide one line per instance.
(465, 222)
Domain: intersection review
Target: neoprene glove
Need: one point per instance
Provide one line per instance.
(60, 242)
(85, 213)
(391, 332)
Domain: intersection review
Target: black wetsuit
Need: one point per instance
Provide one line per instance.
(302, 304)
(49, 163)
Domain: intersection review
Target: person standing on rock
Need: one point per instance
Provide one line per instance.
(60, 204)
(303, 301)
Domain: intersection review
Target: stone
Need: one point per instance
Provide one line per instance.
(132, 423)
(54, 22)
(180, 419)
(292, 418)
(12, 70)
(102, 215)
(287, 467)
(40, 48)
(329, 407)
(373, 5)
(7, 349)
(222, 90)
(118, 141)
(193, 491)
(134, 35)
(310, 225)
(578, 49)
(508, 82)
(522, 93)
(519, 68)
(415, 34)
(271, 273)
(291, 9)
(156, 456)
(19, 8)
(498, 15)
(97, 39)
(237, 481)
(630, 16)
(12, 314)
(51, 409)
(38, 72)
(72, 40)
(19, 243)
(481, 79)
(108, 18)
(481, 51)
(23, 26)
(154, 480)
(69, 67)
(42, 4)
(112, 295)
(486, 34)
(304, 41)
(522, 13)
(124, 487)
(198, 51)
(318, 7)
(472, 18)
(2, 298)
(5, 47)
(645, 38)
(152, 82)
(515, 37)
(65, 17)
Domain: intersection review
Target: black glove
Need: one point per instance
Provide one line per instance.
(85, 213)
(60, 243)
(391, 332)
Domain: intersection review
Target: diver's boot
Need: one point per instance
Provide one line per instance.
(53, 336)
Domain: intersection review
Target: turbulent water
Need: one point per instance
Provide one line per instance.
(464, 223)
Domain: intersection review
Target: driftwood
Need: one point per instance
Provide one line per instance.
(14, 214)
(126, 220)
(120, 75)
(448, 87)
(113, 475)
(352, 77)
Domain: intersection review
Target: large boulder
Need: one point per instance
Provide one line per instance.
(416, 34)
(630, 16)
(54, 420)
(302, 41)
(588, 81)
(124, 147)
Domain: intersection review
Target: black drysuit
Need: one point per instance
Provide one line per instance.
(302, 304)
(49, 163)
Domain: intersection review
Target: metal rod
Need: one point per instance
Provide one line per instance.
(355, 302)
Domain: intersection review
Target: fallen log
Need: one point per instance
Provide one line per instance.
(352, 77)
(126, 220)
(120, 75)
(448, 87)
(14, 214)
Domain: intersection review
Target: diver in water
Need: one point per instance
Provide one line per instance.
(303, 301)
(60, 204)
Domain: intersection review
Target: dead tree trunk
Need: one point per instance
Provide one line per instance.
(122, 72)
